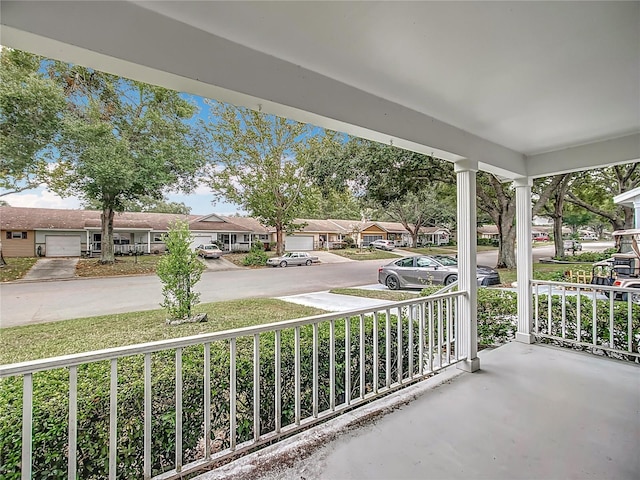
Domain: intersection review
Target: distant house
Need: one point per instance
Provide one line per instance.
(28, 232)
(489, 231)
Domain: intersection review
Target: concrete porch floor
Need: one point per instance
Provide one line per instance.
(532, 412)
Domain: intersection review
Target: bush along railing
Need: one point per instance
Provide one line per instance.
(169, 408)
(588, 317)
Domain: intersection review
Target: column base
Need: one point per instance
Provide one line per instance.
(525, 338)
(469, 365)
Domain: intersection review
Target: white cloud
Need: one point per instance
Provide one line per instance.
(41, 198)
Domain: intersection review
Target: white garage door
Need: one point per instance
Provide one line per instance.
(200, 240)
(62, 246)
(298, 242)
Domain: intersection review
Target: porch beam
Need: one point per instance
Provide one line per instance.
(467, 334)
(524, 258)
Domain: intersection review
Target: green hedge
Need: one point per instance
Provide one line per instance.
(50, 412)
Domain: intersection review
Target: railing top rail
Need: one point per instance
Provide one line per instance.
(33, 366)
(590, 286)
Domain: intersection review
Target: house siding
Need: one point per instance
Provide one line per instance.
(18, 247)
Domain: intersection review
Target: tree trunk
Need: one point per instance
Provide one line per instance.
(279, 240)
(106, 253)
(414, 238)
(2, 260)
(507, 245)
(557, 235)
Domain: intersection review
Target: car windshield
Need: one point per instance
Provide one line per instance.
(446, 261)
(286, 255)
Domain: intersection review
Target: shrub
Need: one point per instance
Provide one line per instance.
(587, 257)
(255, 258)
(257, 245)
(488, 242)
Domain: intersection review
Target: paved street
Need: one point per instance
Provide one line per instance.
(25, 303)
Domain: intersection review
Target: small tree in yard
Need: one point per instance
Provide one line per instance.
(179, 271)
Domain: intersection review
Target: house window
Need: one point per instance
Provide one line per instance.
(158, 237)
(263, 237)
(16, 235)
(246, 238)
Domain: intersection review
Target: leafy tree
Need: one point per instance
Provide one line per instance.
(259, 163)
(332, 204)
(146, 204)
(179, 271)
(555, 205)
(596, 189)
(31, 107)
(122, 142)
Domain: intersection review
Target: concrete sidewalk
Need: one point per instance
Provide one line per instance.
(333, 302)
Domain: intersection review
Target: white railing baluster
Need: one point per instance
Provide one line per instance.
(629, 322)
(113, 419)
(332, 365)
(233, 395)
(147, 416)
(315, 371)
(431, 332)
(256, 387)
(410, 316)
(549, 310)
(27, 419)
(564, 312)
(536, 312)
(421, 309)
(178, 409)
(73, 421)
(362, 358)
(296, 363)
(207, 401)
(376, 353)
(578, 315)
(448, 342)
(399, 350)
(347, 360)
(440, 333)
(387, 350)
(595, 320)
(611, 325)
(456, 326)
(278, 380)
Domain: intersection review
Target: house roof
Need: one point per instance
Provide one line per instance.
(20, 218)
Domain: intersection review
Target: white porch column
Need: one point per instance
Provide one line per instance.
(149, 242)
(467, 275)
(524, 258)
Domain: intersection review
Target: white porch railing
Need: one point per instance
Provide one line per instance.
(605, 323)
(167, 408)
(137, 248)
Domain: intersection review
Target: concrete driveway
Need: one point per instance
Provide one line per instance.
(52, 269)
(328, 257)
(218, 264)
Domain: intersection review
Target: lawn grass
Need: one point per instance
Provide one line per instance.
(30, 342)
(445, 250)
(379, 294)
(238, 258)
(124, 265)
(16, 268)
(365, 254)
(544, 271)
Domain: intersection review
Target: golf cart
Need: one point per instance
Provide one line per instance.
(623, 268)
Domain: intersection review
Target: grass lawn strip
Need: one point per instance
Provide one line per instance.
(16, 268)
(356, 254)
(125, 265)
(545, 271)
(378, 294)
(31, 342)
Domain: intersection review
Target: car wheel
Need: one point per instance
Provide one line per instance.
(450, 279)
(307, 263)
(392, 282)
(283, 264)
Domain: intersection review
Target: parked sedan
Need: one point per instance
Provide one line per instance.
(208, 251)
(423, 270)
(572, 245)
(292, 258)
(383, 244)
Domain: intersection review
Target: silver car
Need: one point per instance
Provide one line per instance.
(292, 258)
(423, 270)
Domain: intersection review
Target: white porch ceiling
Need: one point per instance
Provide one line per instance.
(525, 88)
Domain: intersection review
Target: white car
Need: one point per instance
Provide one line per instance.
(383, 244)
(292, 258)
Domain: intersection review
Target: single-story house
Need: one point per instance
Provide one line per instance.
(488, 231)
(28, 232)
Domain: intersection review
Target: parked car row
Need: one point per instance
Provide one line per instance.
(292, 258)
